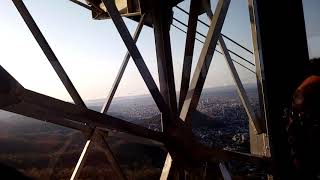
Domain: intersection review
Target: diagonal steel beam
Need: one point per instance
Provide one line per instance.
(59, 70)
(62, 75)
(224, 171)
(241, 91)
(205, 59)
(166, 168)
(189, 49)
(201, 71)
(16, 99)
(136, 56)
(104, 109)
(161, 16)
(101, 140)
(81, 161)
(97, 137)
(9, 87)
(48, 52)
(122, 68)
(39, 106)
(186, 71)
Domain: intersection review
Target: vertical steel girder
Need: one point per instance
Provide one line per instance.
(189, 48)
(122, 68)
(136, 56)
(204, 61)
(259, 144)
(161, 16)
(201, 71)
(280, 69)
(186, 71)
(257, 57)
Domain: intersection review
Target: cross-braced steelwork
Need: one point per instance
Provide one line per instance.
(176, 136)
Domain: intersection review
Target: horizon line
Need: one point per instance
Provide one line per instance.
(117, 97)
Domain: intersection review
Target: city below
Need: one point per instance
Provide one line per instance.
(39, 149)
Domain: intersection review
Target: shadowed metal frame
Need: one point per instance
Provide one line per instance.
(15, 98)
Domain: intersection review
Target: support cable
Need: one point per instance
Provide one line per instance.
(215, 50)
(232, 52)
(202, 22)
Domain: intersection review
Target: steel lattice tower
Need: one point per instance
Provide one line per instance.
(276, 73)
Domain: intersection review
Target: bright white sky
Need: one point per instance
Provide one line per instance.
(91, 51)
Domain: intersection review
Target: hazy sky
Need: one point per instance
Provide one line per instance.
(91, 51)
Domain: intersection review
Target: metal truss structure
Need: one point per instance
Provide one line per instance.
(176, 135)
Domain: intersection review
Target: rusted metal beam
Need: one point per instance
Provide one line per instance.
(136, 56)
(188, 53)
(161, 17)
(122, 68)
(48, 52)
